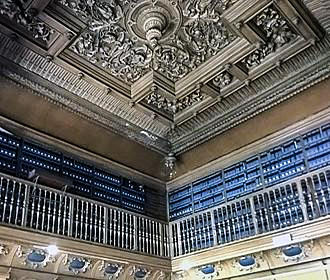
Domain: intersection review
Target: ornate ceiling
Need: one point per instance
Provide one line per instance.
(168, 74)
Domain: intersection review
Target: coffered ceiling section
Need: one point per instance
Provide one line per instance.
(173, 72)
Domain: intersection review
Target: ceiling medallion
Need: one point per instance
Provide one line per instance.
(154, 22)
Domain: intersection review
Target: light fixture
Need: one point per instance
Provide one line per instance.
(52, 250)
(170, 160)
(186, 266)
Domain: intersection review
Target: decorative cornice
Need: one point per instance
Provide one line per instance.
(247, 151)
(122, 128)
(291, 78)
(79, 86)
(75, 260)
(216, 65)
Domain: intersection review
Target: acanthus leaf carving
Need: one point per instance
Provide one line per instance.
(13, 10)
(158, 100)
(172, 61)
(210, 9)
(3, 250)
(129, 55)
(115, 51)
(277, 32)
(222, 80)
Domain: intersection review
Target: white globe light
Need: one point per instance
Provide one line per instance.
(52, 250)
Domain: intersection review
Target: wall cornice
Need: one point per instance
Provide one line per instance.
(251, 149)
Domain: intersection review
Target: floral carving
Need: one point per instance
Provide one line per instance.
(171, 61)
(207, 272)
(189, 100)
(222, 80)
(112, 49)
(277, 32)
(161, 102)
(77, 264)
(96, 13)
(210, 9)
(206, 38)
(3, 250)
(296, 252)
(248, 263)
(110, 270)
(179, 275)
(139, 273)
(35, 258)
(128, 56)
(275, 26)
(13, 9)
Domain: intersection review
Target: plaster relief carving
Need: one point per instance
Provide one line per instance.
(277, 32)
(295, 253)
(77, 264)
(207, 272)
(96, 13)
(179, 275)
(34, 258)
(13, 10)
(139, 273)
(248, 262)
(129, 40)
(222, 80)
(111, 271)
(189, 100)
(172, 61)
(111, 48)
(3, 250)
(210, 9)
(176, 105)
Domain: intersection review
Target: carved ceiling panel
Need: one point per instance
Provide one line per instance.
(130, 38)
(169, 74)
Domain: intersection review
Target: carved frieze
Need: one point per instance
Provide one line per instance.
(157, 99)
(161, 102)
(13, 10)
(189, 100)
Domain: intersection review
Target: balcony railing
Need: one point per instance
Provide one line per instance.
(35, 207)
(296, 201)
